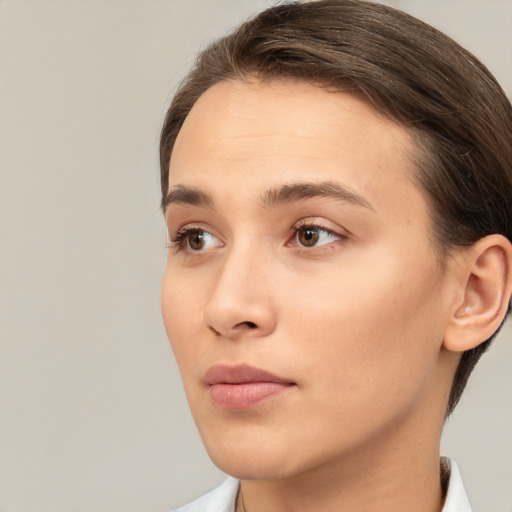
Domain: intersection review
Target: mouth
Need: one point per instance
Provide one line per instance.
(243, 386)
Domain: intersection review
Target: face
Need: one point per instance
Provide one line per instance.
(302, 295)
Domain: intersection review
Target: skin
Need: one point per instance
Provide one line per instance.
(355, 321)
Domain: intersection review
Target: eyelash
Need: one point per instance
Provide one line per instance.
(177, 241)
(304, 223)
(181, 234)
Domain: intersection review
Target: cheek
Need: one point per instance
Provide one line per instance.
(369, 331)
(182, 315)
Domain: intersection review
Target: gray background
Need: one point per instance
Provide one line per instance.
(93, 416)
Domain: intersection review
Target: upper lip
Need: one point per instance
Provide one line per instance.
(240, 374)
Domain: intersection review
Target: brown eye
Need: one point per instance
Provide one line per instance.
(192, 239)
(308, 236)
(196, 240)
(312, 236)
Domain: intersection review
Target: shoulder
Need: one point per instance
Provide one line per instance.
(221, 499)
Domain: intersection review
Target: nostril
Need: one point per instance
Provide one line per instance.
(251, 325)
(217, 333)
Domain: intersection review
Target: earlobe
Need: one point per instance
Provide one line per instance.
(485, 273)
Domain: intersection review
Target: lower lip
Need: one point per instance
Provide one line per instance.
(245, 395)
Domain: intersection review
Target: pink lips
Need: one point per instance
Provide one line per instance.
(242, 386)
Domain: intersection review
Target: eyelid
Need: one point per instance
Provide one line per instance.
(176, 233)
(320, 223)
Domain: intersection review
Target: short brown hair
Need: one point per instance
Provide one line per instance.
(460, 118)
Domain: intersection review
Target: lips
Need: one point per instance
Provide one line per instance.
(243, 386)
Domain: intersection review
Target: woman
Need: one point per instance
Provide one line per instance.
(336, 181)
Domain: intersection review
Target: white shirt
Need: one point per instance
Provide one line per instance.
(223, 498)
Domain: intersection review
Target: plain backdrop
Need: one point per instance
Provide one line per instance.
(92, 413)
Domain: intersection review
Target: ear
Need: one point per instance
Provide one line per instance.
(484, 274)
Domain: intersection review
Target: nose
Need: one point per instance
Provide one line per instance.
(242, 304)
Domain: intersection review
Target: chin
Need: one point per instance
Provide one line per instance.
(251, 457)
(263, 467)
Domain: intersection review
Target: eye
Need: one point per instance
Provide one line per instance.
(314, 236)
(195, 239)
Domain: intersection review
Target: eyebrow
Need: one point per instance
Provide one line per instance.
(326, 189)
(181, 194)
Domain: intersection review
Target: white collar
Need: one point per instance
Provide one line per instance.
(223, 498)
(456, 498)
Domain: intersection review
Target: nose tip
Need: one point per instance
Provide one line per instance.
(234, 310)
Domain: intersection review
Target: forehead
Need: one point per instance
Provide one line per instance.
(233, 117)
(285, 109)
(284, 131)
